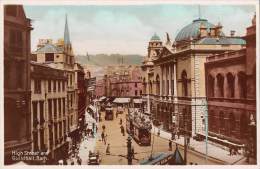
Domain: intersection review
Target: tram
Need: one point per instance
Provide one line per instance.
(109, 115)
(139, 128)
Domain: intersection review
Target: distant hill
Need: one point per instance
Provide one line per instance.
(113, 59)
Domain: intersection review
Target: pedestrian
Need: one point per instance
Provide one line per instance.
(170, 145)
(108, 149)
(188, 141)
(103, 127)
(121, 121)
(173, 135)
(158, 133)
(103, 136)
(105, 139)
(178, 133)
(133, 152)
(123, 131)
(79, 161)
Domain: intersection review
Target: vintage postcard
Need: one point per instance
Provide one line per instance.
(130, 83)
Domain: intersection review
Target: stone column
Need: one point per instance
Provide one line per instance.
(174, 80)
(161, 79)
(170, 80)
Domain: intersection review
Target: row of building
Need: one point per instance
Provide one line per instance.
(45, 92)
(203, 75)
(120, 81)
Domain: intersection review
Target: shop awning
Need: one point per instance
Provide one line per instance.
(138, 101)
(121, 100)
(101, 99)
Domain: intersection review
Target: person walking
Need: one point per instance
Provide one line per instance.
(108, 149)
(102, 136)
(173, 135)
(103, 127)
(170, 145)
(105, 139)
(121, 121)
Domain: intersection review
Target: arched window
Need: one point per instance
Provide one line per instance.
(184, 83)
(231, 85)
(242, 84)
(157, 85)
(220, 84)
(211, 83)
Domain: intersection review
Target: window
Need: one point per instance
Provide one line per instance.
(41, 112)
(37, 86)
(136, 92)
(50, 108)
(184, 83)
(157, 85)
(135, 84)
(54, 86)
(49, 57)
(141, 92)
(242, 80)
(63, 99)
(220, 85)
(63, 86)
(20, 74)
(49, 85)
(59, 102)
(59, 86)
(211, 83)
(42, 140)
(35, 118)
(231, 85)
(55, 108)
(11, 10)
(16, 40)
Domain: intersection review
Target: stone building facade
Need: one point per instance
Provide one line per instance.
(50, 118)
(60, 55)
(121, 81)
(17, 90)
(231, 92)
(174, 74)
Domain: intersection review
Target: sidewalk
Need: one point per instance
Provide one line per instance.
(200, 147)
(89, 143)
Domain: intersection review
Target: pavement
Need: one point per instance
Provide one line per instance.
(214, 151)
(88, 143)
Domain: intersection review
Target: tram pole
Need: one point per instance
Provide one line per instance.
(185, 142)
(129, 150)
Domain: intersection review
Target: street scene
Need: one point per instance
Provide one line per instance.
(130, 84)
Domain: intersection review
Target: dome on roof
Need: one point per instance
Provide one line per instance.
(193, 30)
(155, 37)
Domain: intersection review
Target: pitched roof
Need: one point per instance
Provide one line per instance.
(222, 41)
(49, 48)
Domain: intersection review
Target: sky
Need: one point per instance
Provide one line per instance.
(127, 29)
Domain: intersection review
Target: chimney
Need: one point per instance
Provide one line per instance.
(203, 30)
(232, 33)
(213, 31)
(218, 29)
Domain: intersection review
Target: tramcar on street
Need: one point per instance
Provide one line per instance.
(139, 128)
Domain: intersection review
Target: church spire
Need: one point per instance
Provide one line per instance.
(66, 33)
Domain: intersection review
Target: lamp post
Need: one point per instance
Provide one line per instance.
(252, 143)
(129, 150)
